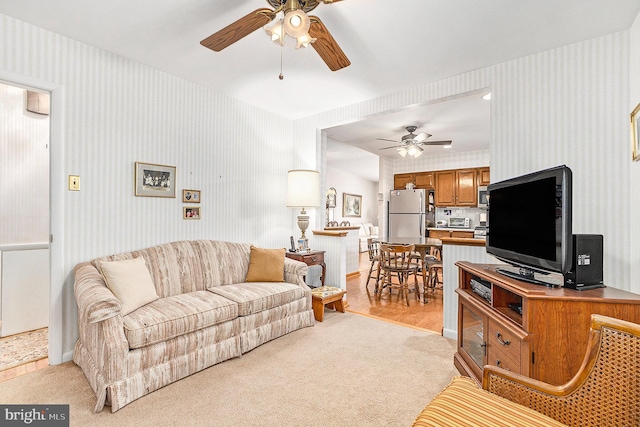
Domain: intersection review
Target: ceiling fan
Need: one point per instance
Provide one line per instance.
(296, 23)
(412, 144)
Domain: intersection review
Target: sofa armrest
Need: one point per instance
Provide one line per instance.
(294, 272)
(95, 301)
(102, 343)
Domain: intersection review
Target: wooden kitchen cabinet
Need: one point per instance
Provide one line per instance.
(462, 234)
(483, 177)
(445, 193)
(456, 188)
(425, 180)
(401, 180)
(546, 339)
(439, 234)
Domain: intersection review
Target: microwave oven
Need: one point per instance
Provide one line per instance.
(459, 222)
(482, 197)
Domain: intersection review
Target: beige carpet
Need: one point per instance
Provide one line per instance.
(349, 370)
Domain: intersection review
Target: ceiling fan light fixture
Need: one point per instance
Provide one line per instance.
(402, 151)
(276, 32)
(296, 23)
(304, 41)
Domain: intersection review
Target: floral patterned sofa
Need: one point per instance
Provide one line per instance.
(179, 308)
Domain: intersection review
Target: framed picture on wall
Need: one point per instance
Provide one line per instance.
(351, 205)
(191, 196)
(153, 180)
(191, 212)
(635, 133)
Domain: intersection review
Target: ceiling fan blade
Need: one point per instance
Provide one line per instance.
(421, 136)
(437, 142)
(326, 46)
(239, 29)
(384, 139)
(386, 148)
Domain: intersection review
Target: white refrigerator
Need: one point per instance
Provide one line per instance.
(407, 214)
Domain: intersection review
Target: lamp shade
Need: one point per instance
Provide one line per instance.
(303, 188)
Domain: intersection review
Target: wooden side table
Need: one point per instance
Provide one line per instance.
(310, 258)
(328, 296)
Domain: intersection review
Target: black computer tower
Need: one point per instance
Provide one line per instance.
(586, 262)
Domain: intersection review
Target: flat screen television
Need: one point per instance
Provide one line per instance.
(529, 225)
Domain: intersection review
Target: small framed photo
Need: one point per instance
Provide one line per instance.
(635, 133)
(155, 180)
(191, 212)
(191, 196)
(351, 205)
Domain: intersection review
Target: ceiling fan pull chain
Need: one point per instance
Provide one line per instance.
(281, 76)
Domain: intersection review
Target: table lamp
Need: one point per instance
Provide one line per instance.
(303, 191)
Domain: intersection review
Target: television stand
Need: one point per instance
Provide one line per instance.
(537, 331)
(528, 275)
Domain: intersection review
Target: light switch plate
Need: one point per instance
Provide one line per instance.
(74, 183)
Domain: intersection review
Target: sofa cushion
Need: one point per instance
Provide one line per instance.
(130, 282)
(463, 403)
(254, 297)
(169, 317)
(266, 265)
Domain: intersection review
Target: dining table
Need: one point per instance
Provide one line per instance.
(422, 246)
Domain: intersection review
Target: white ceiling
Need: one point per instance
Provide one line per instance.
(392, 45)
(465, 121)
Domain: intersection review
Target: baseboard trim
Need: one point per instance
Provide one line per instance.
(450, 333)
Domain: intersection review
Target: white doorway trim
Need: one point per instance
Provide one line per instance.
(56, 208)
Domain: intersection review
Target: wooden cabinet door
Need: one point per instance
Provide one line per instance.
(466, 188)
(425, 180)
(445, 188)
(462, 234)
(439, 234)
(401, 180)
(483, 176)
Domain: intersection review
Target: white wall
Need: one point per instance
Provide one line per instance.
(634, 177)
(345, 182)
(471, 159)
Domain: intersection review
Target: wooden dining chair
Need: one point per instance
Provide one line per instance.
(374, 258)
(398, 260)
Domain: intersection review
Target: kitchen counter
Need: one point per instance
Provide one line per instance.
(450, 228)
(461, 241)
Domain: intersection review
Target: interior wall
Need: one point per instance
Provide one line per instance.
(634, 179)
(470, 159)
(345, 182)
(117, 112)
(564, 106)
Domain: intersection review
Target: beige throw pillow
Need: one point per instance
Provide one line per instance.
(266, 265)
(130, 282)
